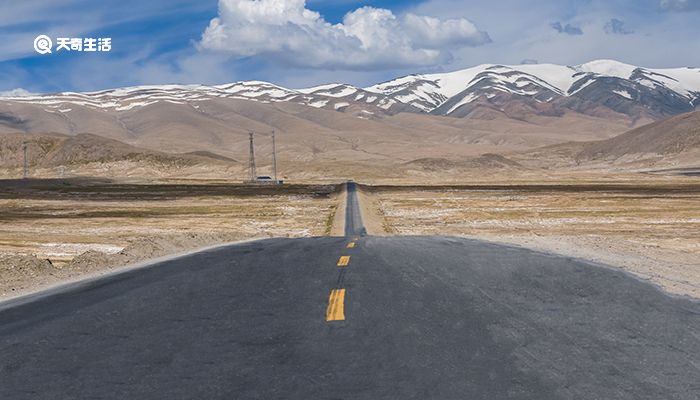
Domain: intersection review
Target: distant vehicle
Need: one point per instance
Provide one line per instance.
(267, 179)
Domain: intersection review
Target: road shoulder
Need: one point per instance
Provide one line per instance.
(372, 218)
(338, 220)
(65, 285)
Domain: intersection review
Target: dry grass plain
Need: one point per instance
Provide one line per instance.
(651, 229)
(53, 230)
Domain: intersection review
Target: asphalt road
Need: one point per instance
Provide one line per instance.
(419, 318)
(353, 216)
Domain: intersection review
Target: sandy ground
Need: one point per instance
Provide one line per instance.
(372, 219)
(652, 231)
(337, 227)
(53, 232)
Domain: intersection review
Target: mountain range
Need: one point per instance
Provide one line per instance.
(416, 123)
(597, 88)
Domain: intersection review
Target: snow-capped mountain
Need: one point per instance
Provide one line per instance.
(336, 97)
(585, 88)
(595, 88)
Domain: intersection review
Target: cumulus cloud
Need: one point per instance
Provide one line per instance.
(566, 29)
(616, 27)
(680, 5)
(287, 32)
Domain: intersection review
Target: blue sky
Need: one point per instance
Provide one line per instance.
(283, 41)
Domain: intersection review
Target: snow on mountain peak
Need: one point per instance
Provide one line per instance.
(608, 68)
(661, 91)
(332, 90)
(431, 91)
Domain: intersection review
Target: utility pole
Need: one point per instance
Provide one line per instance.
(274, 158)
(25, 171)
(251, 160)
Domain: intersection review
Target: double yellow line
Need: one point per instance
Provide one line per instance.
(336, 306)
(336, 300)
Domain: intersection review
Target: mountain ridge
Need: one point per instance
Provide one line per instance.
(622, 88)
(608, 85)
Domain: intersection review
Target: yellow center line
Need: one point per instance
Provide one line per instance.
(336, 305)
(350, 245)
(343, 261)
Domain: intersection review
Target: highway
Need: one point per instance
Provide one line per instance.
(353, 217)
(354, 317)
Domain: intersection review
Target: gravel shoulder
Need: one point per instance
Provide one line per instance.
(337, 227)
(372, 218)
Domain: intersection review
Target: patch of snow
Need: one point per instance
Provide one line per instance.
(623, 93)
(126, 91)
(338, 106)
(452, 83)
(73, 249)
(466, 100)
(559, 76)
(317, 88)
(608, 68)
(318, 104)
(588, 82)
(331, 90)
(393, 86)
(680, 80)
(648, 83)
(386, 103)
(134, 105)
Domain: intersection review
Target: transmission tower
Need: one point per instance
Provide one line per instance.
(274, 158)
(251, 160)
(25, 170)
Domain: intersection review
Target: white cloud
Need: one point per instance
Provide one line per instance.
(661, 40)
(287, 32)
